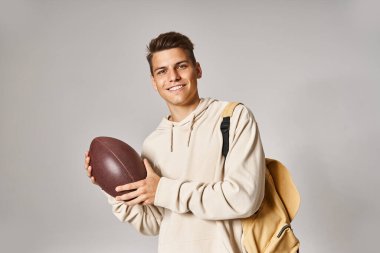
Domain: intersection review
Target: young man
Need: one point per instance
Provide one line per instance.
(193, 197)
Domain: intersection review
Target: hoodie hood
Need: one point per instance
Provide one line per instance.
(187, 123)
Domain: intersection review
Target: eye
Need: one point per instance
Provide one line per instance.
(182, 66)
(161, 72)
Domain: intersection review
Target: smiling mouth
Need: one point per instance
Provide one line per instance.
(177, 87)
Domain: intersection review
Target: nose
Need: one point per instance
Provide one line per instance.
(173, 75)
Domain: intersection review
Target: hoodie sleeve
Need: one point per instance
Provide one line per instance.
(241, 192)
(146, 219)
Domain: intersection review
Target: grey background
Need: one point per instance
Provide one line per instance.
(74, 70)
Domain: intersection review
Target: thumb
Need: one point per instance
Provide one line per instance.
(148, 167)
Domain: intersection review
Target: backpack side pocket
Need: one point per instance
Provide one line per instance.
(283, 241)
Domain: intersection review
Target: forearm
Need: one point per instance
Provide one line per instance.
(217, 201)
(239, 192)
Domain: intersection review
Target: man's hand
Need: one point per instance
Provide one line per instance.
(88, 168)
(144, 190)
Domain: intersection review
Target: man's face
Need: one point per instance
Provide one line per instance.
(175, 77)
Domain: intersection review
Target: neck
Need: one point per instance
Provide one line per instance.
(178, 113)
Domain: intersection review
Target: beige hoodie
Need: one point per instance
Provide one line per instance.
(201, 196)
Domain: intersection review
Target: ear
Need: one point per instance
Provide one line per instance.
(198, 70)
(154, 84)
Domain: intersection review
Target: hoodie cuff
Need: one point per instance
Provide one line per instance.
(166, 193)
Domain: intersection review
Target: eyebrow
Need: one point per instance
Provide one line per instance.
(164, 67)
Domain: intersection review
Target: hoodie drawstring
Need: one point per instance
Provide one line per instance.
(171, 137)
(190, 130)
(185, 126)
(188, 137)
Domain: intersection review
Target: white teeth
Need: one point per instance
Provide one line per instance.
(176, 87)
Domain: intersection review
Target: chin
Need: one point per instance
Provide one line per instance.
(177, 101)
(180, 99)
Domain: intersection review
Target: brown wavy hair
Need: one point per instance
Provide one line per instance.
(170, 40)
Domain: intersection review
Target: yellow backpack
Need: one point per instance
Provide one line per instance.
(269, 230)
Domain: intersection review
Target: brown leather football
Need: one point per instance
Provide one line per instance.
(114, 163)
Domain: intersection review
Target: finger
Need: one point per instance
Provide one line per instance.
(87, 161)
(129, 195)
(93, 180)
(147, 202)
(138, 200)
(86, 153)
(130, 186)
(89, 169)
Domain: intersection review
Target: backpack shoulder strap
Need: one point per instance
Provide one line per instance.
(229, 109)
(225, 125)
(282, 179)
